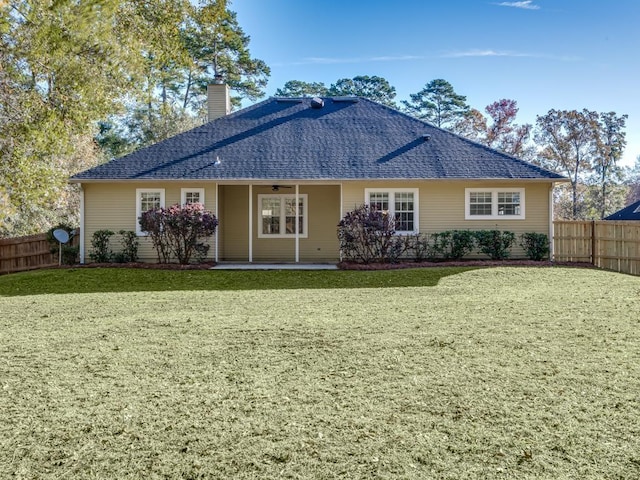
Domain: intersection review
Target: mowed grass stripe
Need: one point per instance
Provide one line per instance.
(491, 373)
(105, 280)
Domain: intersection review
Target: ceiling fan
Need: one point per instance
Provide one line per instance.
(276, 188)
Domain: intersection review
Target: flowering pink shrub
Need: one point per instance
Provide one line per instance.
(368, 235)
(179, 231)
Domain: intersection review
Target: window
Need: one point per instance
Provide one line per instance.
(402, 203)
(494, 203)
(191, 195)
(146, 199)
(277, 216)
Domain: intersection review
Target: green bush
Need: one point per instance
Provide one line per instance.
(130, 244)
(495, 243)
(453, 244)
(100, 242)
(421, 246)
(69, 252)
(535, 245)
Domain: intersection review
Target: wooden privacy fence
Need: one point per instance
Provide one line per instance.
(27, 253)
(614, 245)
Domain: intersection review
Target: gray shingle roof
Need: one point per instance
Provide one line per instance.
(630, 212)
(287, 139)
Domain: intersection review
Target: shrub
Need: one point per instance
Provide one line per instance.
(453, 244)
(368, 235)
(494, 243)
(152, 222)
(100, 242)
(535, 245)
(130, 244)
(176, 231)
(69, 252)
(421, 246)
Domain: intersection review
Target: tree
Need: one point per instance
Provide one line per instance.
(185, 46)
(633, 181)
(472, 125)
(610, 144)
(501, 133)
(374, 88)
(568, 140)
(60, 71)
(298, 88)
(437, 103)
(140, 68)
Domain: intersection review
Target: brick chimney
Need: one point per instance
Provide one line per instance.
(218, 103)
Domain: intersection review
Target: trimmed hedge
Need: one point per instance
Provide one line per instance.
(367, 235)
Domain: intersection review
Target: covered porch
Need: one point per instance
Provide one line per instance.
(280, 222)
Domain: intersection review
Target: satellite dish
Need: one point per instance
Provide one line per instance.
(61, 235)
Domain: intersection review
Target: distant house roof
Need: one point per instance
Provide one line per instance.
(630, 212)
(339, 138)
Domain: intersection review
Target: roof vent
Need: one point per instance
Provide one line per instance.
(345, 99)
(426, 137)
(317, 102)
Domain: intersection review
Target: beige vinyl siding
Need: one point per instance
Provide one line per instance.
(321, 243)
(112, 206)
(442, 205)
(234, 228)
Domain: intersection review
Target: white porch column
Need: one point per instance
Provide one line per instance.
(250, 223)
(216, 212)
(551, 229)
(297, 223)
(82, 232)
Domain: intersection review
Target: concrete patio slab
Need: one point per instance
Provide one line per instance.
(275, 266)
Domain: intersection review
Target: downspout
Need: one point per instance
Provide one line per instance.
(551, 229)
(217, 257)
(82, 233)
(340, 218)
(250, 223)
(297, 223)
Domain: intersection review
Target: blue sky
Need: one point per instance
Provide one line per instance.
(561, 54)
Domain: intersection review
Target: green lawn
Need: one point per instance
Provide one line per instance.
(506, 372)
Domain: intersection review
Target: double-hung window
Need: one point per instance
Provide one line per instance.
(402, 203)
(147, 199)
(494, 203)
(191, 195)
(277, 216)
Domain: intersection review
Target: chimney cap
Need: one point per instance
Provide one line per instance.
(218, 79)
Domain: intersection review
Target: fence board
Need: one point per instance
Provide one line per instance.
(613, 245)
(27, 253)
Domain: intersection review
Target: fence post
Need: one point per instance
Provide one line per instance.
(593, 242)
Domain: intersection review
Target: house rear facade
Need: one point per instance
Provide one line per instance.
(280, 175)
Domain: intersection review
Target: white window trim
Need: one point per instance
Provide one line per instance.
(139, 192)
(392, 203)
(494, 204)
(184, 191)
(305, 216)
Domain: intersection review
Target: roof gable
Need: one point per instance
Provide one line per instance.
(347, 138)
(630, 212)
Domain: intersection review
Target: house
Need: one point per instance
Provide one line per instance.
(326, 156)
(630, 212)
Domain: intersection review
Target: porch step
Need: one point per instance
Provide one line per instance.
(275, 266)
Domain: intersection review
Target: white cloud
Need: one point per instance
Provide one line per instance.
(338, 60)
(526, 4)
(507, 53)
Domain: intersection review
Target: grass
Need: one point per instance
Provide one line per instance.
(488, 373)
(111, 280)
